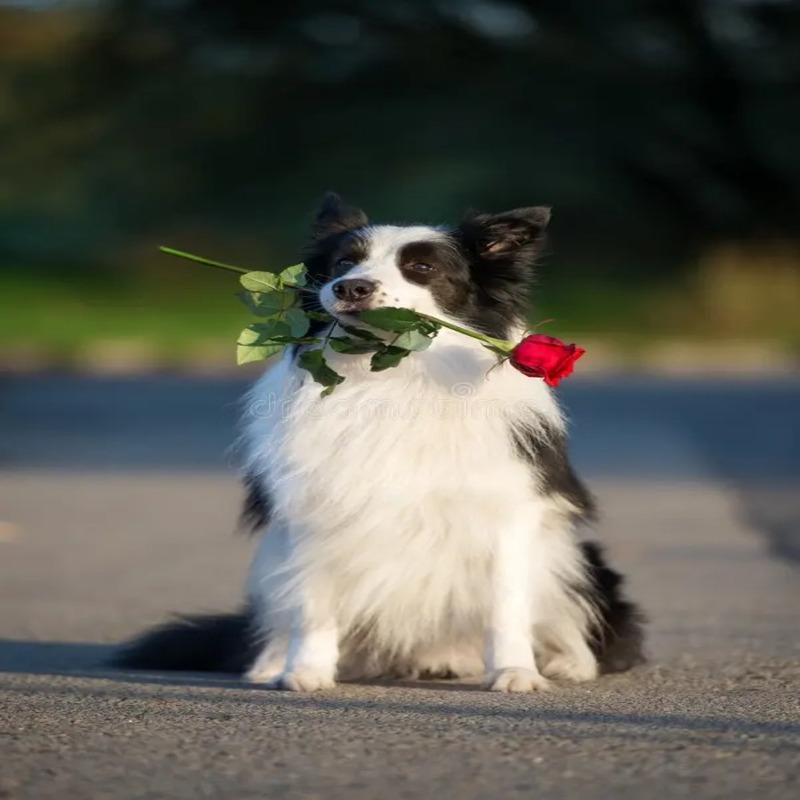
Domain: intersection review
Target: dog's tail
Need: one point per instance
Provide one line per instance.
(618, 641)
(201, 643)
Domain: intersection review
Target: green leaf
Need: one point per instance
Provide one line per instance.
(429, 326)
(253, 346)
(297, 321)
(413, 340)
(392, 319)
(268, 304)
(313, 361)
(362, 333)
(260, 332)
(296, 274)
(245, 353)
(341, 344)
(388, 357)
(261, 281)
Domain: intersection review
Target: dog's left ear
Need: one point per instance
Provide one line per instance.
(494, 236)
(336, 216)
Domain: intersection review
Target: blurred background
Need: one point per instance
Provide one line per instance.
(664, 134)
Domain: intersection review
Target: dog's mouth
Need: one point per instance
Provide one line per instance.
(350, 309)
(346, 314)
(345, 310)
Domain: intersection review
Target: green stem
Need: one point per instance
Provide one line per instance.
(200, 260)
(499, 344)
(229, 267)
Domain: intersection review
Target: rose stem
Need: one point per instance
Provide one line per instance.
(500, 344)
(209, 263)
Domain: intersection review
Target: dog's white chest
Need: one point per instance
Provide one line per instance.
(401, 443)
(395, 488)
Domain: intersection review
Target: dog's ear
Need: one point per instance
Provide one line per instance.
(336, 216)
(495, 236)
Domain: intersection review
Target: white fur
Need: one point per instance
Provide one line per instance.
(381, 267)
(406, 529)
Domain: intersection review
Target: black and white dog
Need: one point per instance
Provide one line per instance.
(419, 522)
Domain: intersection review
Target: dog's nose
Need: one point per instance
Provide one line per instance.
(354, 290)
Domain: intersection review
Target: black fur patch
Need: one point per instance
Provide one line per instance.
(448, 281)
(618, 642)
(496, 237)
(257, 507)
(338, 232)
(501, 251)
(335, 216)
(547, 452)
(202, 643)
(323, 254)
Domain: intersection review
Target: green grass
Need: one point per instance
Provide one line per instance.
(63, 318)
(68, 315)
(186, 312)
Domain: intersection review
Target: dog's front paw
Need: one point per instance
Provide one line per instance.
(303, 680)
(268, 667)
(516, 679)
(570, 668)
(265, 673)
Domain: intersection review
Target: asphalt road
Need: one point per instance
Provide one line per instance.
(117, 503)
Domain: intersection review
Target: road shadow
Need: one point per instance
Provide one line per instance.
(92, 660)
(89, 660)
(557, 713)
(40, 658)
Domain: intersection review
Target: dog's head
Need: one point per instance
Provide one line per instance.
(478, 273)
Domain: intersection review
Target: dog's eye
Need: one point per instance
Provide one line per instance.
(342, 265)
(423, 268)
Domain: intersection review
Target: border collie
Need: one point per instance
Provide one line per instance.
(419, 522)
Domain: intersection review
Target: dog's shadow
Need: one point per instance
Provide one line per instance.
(87, 660)
(90, 660)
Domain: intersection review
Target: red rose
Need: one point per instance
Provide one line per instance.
(540, 356)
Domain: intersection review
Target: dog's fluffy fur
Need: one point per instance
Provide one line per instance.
(420, 521)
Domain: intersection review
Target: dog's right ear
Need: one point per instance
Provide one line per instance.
(511, 233)
(336, 216)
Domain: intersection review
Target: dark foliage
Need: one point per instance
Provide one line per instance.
(663, 125)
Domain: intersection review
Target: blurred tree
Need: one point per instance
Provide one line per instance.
(652, 125)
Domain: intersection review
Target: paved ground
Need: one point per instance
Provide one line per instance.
(116, 505)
